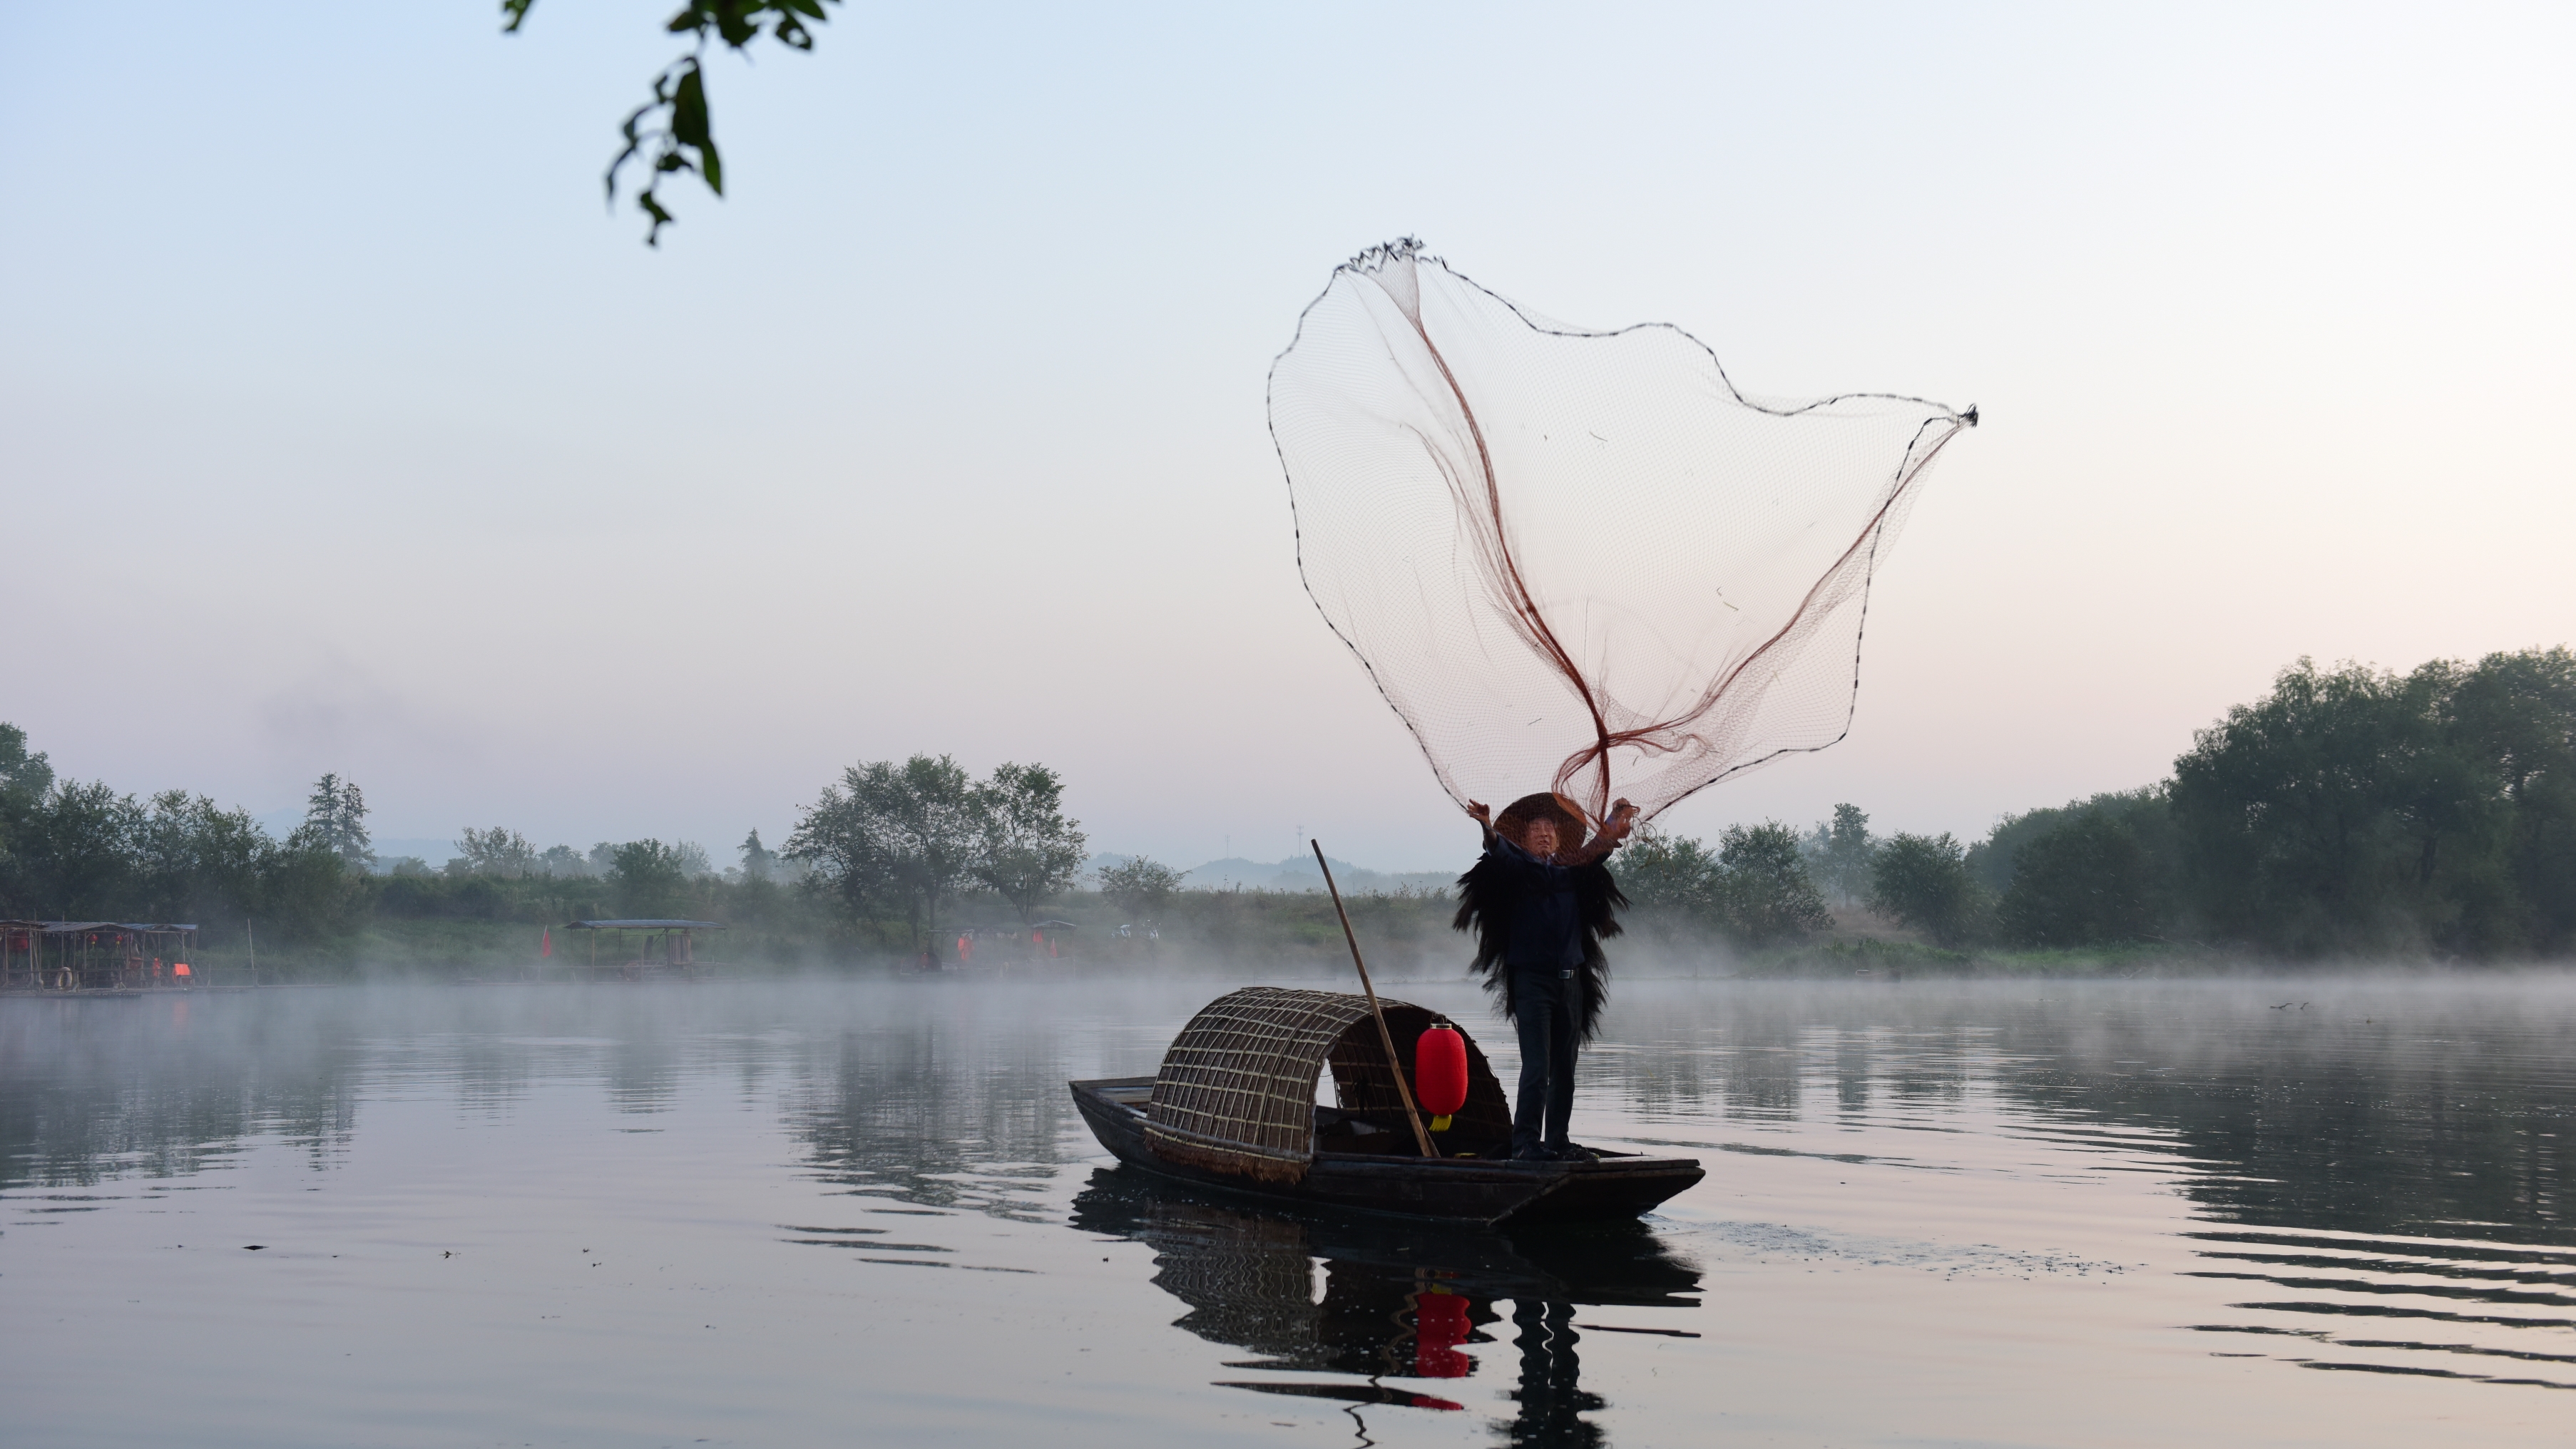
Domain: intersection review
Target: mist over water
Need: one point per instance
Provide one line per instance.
(2312, 1210)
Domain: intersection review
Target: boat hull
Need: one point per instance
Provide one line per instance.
(1489, 1191)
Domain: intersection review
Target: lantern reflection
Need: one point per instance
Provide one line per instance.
(1397, 1302)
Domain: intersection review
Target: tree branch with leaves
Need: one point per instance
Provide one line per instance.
(674, 131)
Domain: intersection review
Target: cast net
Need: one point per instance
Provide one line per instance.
(1582, 560)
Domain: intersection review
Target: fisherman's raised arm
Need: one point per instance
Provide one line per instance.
(1623, 818)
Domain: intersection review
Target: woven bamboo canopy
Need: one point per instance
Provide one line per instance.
(1236, 1092)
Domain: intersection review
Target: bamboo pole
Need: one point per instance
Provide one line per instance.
(1394, 1063)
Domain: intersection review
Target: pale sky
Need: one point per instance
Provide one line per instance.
(341, 429)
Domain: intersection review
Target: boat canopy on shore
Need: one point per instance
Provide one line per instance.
(669, 946)
(68, 955)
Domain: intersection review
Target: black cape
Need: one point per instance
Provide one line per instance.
(1485, 908)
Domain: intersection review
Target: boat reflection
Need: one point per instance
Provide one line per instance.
(1398, 1302)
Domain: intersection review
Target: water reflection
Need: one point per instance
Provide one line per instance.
(158, 1088)
(909, 1113)
(2380, 1164)
(2386, 1170)
(2375, 1184)
(1396, 1302)
(2334, 1119)
(2468, 1289)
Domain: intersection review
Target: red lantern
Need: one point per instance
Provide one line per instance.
(1440, 1073)
(1441, 1321)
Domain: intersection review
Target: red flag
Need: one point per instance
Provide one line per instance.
(546, 947)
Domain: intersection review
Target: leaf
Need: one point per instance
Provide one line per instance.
(660, 217)
(689, 108)
(736, 21)
(690, 126)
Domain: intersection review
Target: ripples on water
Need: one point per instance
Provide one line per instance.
(2120, 1213)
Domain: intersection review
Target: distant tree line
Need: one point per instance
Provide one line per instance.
(873, 863)
(81, 851)
(2350, 811)
(1755, 886)
(71, 850)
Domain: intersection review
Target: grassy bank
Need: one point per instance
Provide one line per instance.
(1870, 957)
(439, 949)
(1252, 934)
(1248, 935)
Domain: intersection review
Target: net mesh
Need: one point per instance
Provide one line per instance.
(1582, 560)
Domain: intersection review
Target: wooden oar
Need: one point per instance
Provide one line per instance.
(1395, 1064)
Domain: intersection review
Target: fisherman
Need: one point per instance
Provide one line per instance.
(1540, 901)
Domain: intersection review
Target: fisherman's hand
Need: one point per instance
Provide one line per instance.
(1480, 813)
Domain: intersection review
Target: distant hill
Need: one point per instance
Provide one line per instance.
(431, 853)
(1296, 873)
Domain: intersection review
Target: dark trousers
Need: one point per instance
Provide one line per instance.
(1543, 1011)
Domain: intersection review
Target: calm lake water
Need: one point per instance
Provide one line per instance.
(2311, 1212)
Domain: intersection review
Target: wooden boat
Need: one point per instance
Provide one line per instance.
(1234, 1108)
